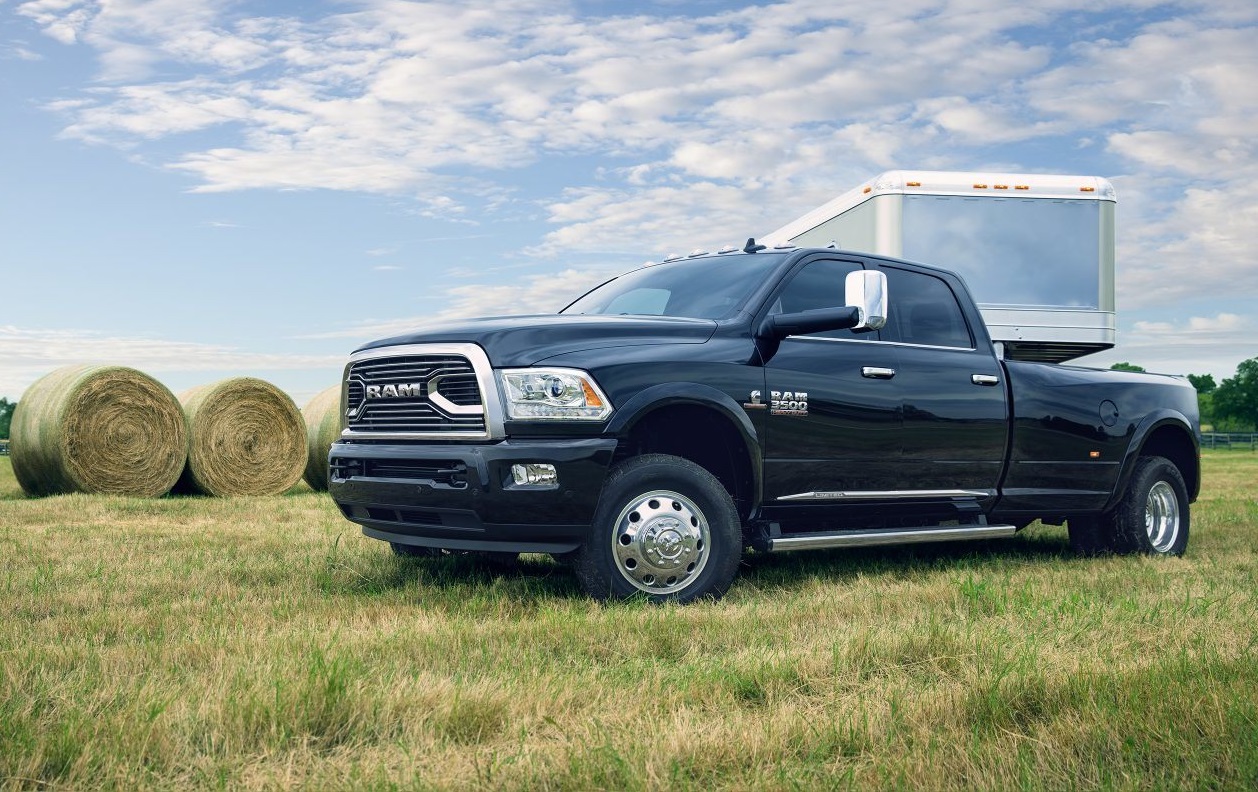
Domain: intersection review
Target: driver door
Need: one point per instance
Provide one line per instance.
(834, 408)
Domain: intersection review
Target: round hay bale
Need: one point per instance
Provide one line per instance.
(94, 428)
(323, 427)
(246, 437)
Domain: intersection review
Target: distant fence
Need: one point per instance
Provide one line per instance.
(1245, 440)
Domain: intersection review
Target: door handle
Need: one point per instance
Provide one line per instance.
(984, 379)
(877, 372)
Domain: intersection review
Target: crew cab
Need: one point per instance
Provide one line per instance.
(785, 399)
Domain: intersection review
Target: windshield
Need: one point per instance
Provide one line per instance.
(713, 287)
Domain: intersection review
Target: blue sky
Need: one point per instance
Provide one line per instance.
(201, 188)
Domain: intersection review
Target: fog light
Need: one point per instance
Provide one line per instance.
(534, 475)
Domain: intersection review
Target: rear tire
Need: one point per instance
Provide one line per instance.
(666, 529)
(1151, 518)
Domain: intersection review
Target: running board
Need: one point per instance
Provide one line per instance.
(889, 536)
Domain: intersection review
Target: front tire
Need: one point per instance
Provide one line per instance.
(664, 528)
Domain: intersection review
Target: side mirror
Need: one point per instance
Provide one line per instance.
(805, 322)
(866, 293)
(866, 290)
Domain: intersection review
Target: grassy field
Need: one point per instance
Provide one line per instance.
(265, 643)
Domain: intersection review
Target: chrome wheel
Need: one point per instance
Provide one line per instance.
(1161, 516)
(660, 542)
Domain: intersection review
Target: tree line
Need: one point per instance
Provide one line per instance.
(6, 416)
(1227, 406)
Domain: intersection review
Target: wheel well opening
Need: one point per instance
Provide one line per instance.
(1175, 445)
(703, 436)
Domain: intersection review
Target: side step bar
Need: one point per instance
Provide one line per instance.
(890, 536)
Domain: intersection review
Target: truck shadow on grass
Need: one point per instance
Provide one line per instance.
(534, 579)
(450, 576)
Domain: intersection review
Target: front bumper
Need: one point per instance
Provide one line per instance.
(462, 497)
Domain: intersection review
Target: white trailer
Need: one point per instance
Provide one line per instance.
(1037, 251)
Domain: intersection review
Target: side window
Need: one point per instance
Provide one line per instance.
(923, 310)
(820, 284)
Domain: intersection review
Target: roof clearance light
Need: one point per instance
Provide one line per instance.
(914, 184)
(888, 181)
(1000, 186)
(868, 190)
(697, 252)
(980, 186)
(1021, 186)
(728, 249)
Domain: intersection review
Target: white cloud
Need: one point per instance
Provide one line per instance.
(1197, 345)
(27, 354)
(17, 50)
(713, 127)
(538, 294)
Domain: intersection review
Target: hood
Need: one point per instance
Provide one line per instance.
(525, 340)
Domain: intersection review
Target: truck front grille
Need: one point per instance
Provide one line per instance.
(414, 394)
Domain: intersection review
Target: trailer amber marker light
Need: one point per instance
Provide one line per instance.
(914, 184)
(980, 186)
(1094, 455)
(1000, 186)
(1022, 187)
(1087, 189)
(867, 189)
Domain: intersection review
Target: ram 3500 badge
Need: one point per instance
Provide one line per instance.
(772, 399)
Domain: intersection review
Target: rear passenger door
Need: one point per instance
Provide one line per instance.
(955, 411)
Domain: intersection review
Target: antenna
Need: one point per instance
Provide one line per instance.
(752, 247)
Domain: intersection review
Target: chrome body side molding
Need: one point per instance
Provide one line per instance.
(868, 495)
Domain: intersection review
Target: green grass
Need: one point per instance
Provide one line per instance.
(263, 643)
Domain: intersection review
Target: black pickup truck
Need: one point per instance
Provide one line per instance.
(774, 399)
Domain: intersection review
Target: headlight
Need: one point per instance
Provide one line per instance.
(549, 394)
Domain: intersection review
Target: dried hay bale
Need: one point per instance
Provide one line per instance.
(246, 438)
(323, 427)
(96, 428)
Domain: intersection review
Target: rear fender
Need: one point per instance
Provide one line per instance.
(1151, 425)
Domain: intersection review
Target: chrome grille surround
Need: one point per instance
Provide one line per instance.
(458, 399)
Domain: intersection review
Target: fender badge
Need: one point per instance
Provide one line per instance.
(755, 403)
(788, 403)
